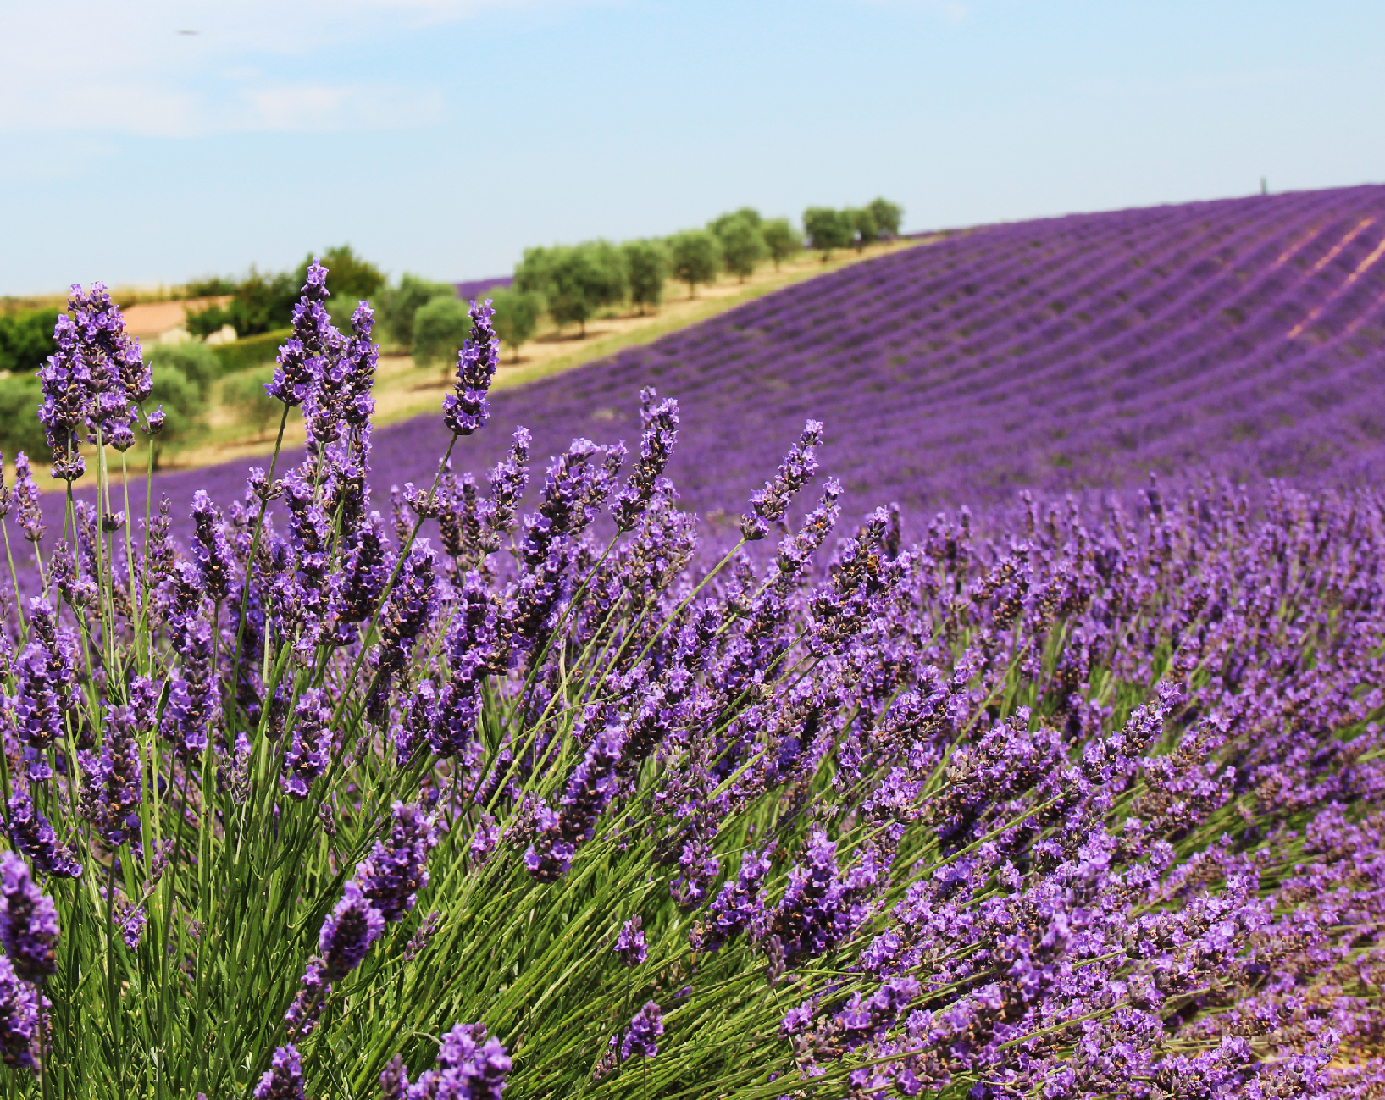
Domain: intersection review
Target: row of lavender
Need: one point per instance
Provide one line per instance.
(316, 805)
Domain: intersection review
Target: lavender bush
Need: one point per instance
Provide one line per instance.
(447, 797)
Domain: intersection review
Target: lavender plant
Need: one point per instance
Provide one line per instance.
(309, 807)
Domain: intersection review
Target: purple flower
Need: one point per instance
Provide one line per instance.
(737, 907)
(395, 871)
(769, 504)
(26, 499)
(210, 548)
(28, 921)
(642, 1036)
(303, 357)
(470, 1067)
(193, 705)
(467, 407)
(284, 1079)
(660, 433)
(31, 833)
(630, 946)
(92, 385)
(348, 932)
(45, 679)
(496, 516)
(589, 791)
(18, 1018)
(309, 749)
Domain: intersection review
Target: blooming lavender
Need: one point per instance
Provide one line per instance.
(396, 869)
(28, 921)
(660, 432)
(305, 355)
(26, 500)
(471, 1066)
(309, 749)
(284, 1079)
(210, 548)
(94, 382)
(45, 679)
(642, 1036)
(19, 1018)
(33, 836)
(770, 503)
(466, 409)
(630, 946)
(590, 789)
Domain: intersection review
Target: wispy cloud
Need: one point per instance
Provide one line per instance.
(127, 67)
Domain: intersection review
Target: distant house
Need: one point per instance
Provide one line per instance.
(167, 322)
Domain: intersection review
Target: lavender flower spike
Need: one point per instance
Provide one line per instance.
(28, 921)
(466, 409)
(630, 946)
(284, 1079)
(642, 1037)
(770, 503)
(470, 1067)
(302, 358)
(348, 932)
(31, 833)
(660, 433)
(18, 1018)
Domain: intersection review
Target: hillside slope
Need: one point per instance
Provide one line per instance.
(1240, 337)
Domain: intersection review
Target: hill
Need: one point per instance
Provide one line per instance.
(1239, 337)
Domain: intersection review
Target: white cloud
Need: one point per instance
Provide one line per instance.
(124, 67)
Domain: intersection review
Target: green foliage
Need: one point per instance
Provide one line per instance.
(742, 245)
(782, 239)
(516, 315)
(196, 362)
(695, 257)
(263, 303)
(827, 229)
(397, 305)
(582, 279)
(245, 395)
(646, 262)
(348, 275)
(26, 339)
(184, 406)
(863, 228)
(20, 430)
(721, 224)
(208, 321)
(440, 329)
(251, 351)
(532, 274)
(887, 217)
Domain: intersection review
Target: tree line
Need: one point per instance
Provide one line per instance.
(571, 284)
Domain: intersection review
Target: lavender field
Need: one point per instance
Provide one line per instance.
(1240, 337)
(314, 790)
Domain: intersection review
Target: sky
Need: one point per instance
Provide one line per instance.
(443, 136)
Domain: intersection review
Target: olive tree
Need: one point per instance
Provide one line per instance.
(695, 257)
(782, 239)
(827, 229)
(646, 264)
(516, 315)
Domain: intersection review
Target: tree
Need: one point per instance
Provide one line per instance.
(26, 339)
(183, 409)
(195, 362)
(440, 328)
(516, 315)
(646, 263)
(263, 303)
(887, 217)
(532, 274)
(349, 276)
(245, 394)
(582, 279)
(20, 430)
(827, 229)
(720, 224)
(397, 305)
(782, 239)
(862, 223)
(208, 321)
(695, 257)
(743, 246)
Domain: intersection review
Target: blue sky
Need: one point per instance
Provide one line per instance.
(442, 136)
